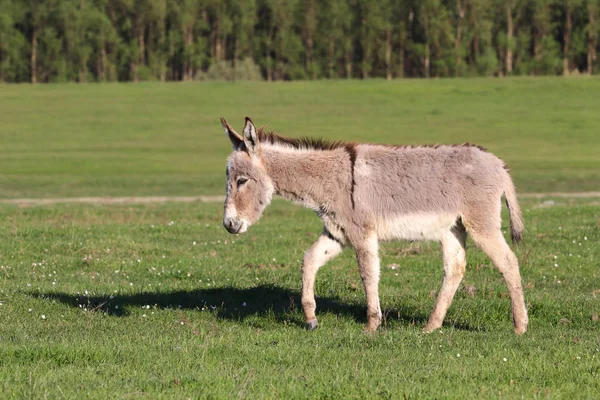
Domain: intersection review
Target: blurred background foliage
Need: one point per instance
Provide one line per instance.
(172, 40)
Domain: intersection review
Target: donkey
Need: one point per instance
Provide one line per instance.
(365, 193)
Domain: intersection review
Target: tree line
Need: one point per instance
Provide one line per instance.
(166, 40)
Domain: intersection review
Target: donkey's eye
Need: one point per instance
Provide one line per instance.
(241, 181)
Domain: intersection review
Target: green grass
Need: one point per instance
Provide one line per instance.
(165, 139)
(159, 301)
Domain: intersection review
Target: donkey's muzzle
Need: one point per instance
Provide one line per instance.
(233, 225)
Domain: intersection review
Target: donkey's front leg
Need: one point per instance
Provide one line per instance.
(323, 250)
(367, 255)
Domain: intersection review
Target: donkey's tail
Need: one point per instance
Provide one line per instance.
(516, 218)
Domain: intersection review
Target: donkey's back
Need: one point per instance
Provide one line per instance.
(418, 193)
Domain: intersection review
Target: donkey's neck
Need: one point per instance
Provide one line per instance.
(313, 178)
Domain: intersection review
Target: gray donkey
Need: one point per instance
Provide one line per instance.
(365, 193)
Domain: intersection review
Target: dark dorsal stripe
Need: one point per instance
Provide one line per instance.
(351, 150)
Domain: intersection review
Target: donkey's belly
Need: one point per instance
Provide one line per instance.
(414, 226)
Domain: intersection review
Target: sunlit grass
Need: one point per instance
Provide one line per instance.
(166, 139)
(160, 301)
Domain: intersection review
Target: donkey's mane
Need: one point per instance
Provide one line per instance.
(311, 143)
(302, 143)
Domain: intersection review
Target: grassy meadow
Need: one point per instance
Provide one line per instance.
(159, 301)
(166, 139)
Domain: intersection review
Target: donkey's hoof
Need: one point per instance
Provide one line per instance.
(312, 325)
(430, 328)
(520, 330)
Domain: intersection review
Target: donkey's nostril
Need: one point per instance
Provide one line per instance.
(232, 225)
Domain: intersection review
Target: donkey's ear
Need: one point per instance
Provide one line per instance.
(250, 137)
(236, 139)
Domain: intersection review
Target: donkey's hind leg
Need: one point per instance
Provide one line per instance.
(323, 250)
(367, 255)
(494, 245)
(455, 261)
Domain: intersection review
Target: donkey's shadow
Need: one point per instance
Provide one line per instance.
(227, 303)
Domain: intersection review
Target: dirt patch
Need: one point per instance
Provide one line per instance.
(114, 200)
(579, 195)
(214, 199)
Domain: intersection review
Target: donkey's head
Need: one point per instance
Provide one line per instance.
(249, 188)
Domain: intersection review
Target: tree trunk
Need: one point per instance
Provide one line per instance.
(348, 59)
(163, 67)
(218, 50)
(408, 61)
(365, 50)
(591, 58)
(427, 61)
(309, 41)
(185, 68)
(142, 45)
(474, 45)
(591, 39)
(269, 61)
(102, 74)
(331, 55)
(82, 66)
(567, 38)
(269, 68)
(235, 58)
(509, 36)
(188, 40)
(184, 72)
(437, 52)
(279, 66)
(388, 53)
(461, 14)
(217, 41)
(34, 57)
(134, 71)
(401, 61)
(82, 71)
(309, 62)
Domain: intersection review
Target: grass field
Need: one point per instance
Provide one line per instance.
(159, 301)
(166, 139)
